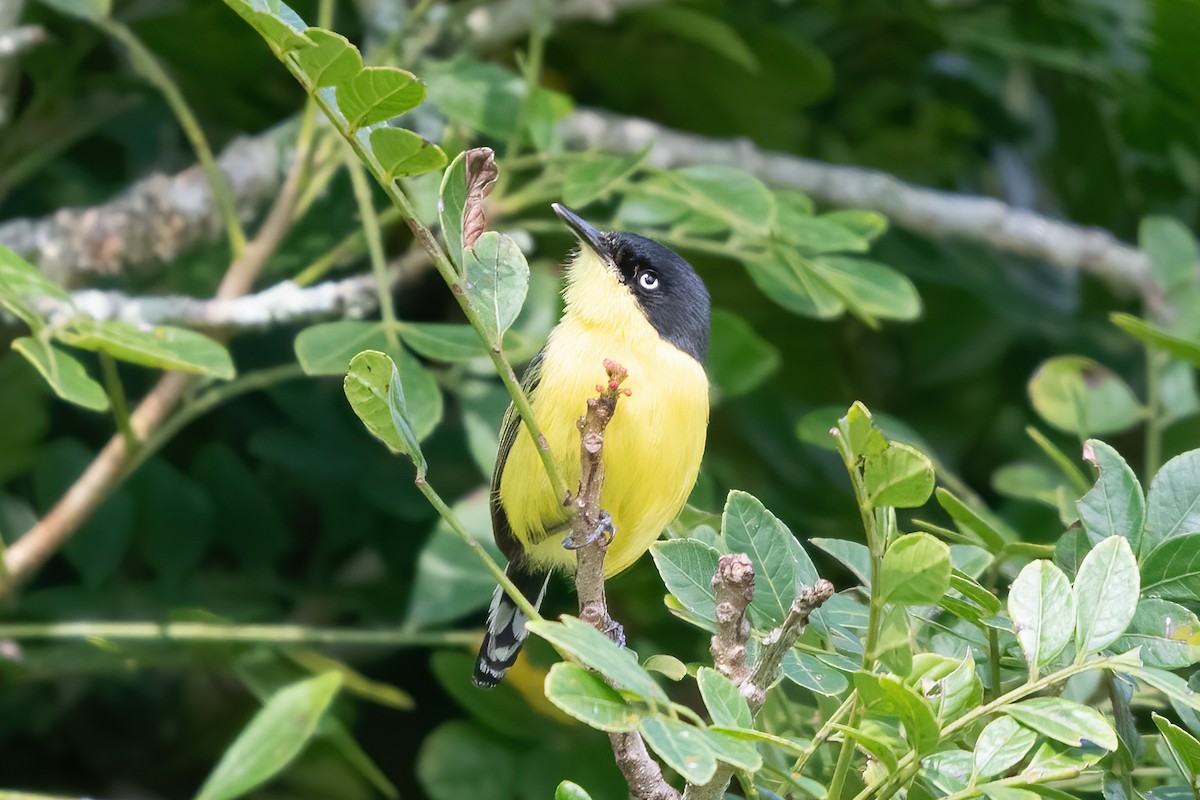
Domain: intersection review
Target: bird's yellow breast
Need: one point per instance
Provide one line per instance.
(653, 445)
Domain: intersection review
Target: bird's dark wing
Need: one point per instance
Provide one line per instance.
(509, 428)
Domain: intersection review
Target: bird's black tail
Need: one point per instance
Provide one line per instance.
(506, 626)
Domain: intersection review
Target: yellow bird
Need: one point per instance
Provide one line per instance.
(634, 301)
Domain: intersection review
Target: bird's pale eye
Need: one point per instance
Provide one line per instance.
(648, 280)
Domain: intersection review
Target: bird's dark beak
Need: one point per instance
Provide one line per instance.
(589, 234)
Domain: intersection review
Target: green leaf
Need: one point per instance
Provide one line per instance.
(161, 347)
(900, 476)
(20, 283)
(600, 653)
(1172, 570)
(873, 745)
(1153, 335)
(814, 674)
(1114, 506)
(1023, 480)
(1167, 633)
(1041, 604)
(916, 569)
(947, 771)
(353, 681)
(483, 96)
(1106, 595)
(739, 360)
(594, 178)
(682, 747)
(63, 372)
(867, 224)
(981, 528)
(872, 291)
(456, 754)
(706, 30)
(452, 199)
(84, 9)
(571, 791)
(1064, 721)
(377, 94)
(1174, 687)
(1001, 746)
(853, 555)
(669, 667)
(401, 152)
(1010, 793)
(1053, 757)
(588, 699)
(886, 695)
(331, 60)
(1171, 250)
(1184, 748)
(1174, 500)
(959, 690)
(274, 21)
(328, 349)
(497, 278)
(733, 750)
(276, 735)
(736, 194)
(374, 389)
(1080, 396)
(443, 341)
(817, 235)
(751, 529)
(687, 568)
(793, 282)
(724, 702)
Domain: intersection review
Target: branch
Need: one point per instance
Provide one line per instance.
(734, 585)
(18, 39)
(495, 23)
(642, 773)
(106, 471)
(284, 303)
(156, 219)
(936, 213)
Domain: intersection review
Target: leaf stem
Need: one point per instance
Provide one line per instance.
(1156, 362)
(210, 632)
(841, 769)
(146, 64)
(994, 661)
(449, 273)
(825, 732)
(116, 398)
(370, 224)
(448, 515)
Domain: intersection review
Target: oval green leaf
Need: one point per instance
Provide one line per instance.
(63, 372)
(588, 699)
(1115, 505)
(1080, 396)
(1041, 605)
(496, 278)
(900, 476)
(1001, 746)
(1065, 721)
(1106, 594)
(916, 570)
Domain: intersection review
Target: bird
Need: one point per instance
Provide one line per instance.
(630, 300)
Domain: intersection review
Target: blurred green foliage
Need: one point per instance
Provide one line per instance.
(275, 506)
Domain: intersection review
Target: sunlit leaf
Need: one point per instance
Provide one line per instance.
(375, 391)
(723, 700)
(1064, 721)
(20, 284)
(916, 570)
(161, 347)
(274, 21)
(687, 568)
(1041, 604)
(377, 94)
(1173, 503)
(1167, 633)
(1080, 396)
(401, 152)
(1001, 746)
(276, 735)
(1106, 594)
(331, 60)
(588, 699)
(1171, 250)
(1153, 335)
(63, 372)
(497, 278)
(1184, 748)
(792, 281)
(682, 747)
(1172, 570)
(872, 291)
(600, 653)
(751, 529)
(899, 476)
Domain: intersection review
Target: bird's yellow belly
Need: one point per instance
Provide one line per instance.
(652, 449)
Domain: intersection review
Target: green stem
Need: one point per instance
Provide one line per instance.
(344, 251)
(1156, 361)
(8, 794)
(146, 64)
(909, 764)
(450, 275)
(534, 55)
(483, 555)
(251, 381)
(845, 755)
(1017, 780)
(825, 732)
(116, 398)
(370, 224)
(994, 660)
(209, 632)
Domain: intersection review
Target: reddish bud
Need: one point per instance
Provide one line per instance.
(599, 388)
(613, 384)
(628, 392)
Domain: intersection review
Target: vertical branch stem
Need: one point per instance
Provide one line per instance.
(146, 64)
(370, 224)
(1156, 361)
(116, 398)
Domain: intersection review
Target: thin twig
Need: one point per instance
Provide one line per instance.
(19, 39)
(209, 632)
(642, 773)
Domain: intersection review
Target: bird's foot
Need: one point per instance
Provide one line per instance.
(604, 529)
(615, 632)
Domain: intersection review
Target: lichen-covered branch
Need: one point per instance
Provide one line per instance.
(936, 213)
(588, 533)
(734, 585)
(494, 23)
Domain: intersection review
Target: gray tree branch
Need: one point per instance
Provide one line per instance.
(936, 213)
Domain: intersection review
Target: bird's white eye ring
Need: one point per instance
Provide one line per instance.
(648, 280)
